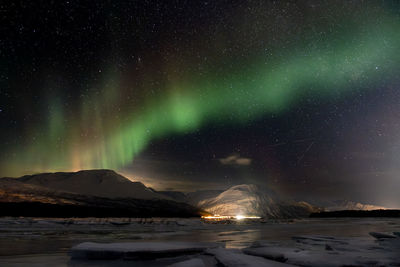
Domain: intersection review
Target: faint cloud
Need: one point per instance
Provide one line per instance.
(235, 159)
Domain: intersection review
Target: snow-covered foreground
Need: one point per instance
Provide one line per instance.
(192, 242)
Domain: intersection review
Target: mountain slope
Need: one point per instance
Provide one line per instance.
(100, 183)
(14, 190)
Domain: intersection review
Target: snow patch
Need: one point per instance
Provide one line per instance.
(234, 258)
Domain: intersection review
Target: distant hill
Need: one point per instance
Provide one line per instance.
(356, 213)
(175, 195)
(351, 205)
(192, 198)
(340, 204)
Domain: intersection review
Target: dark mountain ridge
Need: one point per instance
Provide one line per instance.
(86, 194)
(101, 183)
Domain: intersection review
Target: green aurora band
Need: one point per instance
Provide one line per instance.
(367, 54)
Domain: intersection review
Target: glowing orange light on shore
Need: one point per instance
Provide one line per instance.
(229, 217)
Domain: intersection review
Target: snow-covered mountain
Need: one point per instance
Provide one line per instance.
(99, 183)
(248, 199)
(351, 205)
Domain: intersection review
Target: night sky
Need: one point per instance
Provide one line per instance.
(301, 96)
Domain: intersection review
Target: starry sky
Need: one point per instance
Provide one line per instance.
(301, 96)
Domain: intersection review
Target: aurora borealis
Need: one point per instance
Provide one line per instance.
(107, 82)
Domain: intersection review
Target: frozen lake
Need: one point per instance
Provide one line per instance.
(36, 240)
